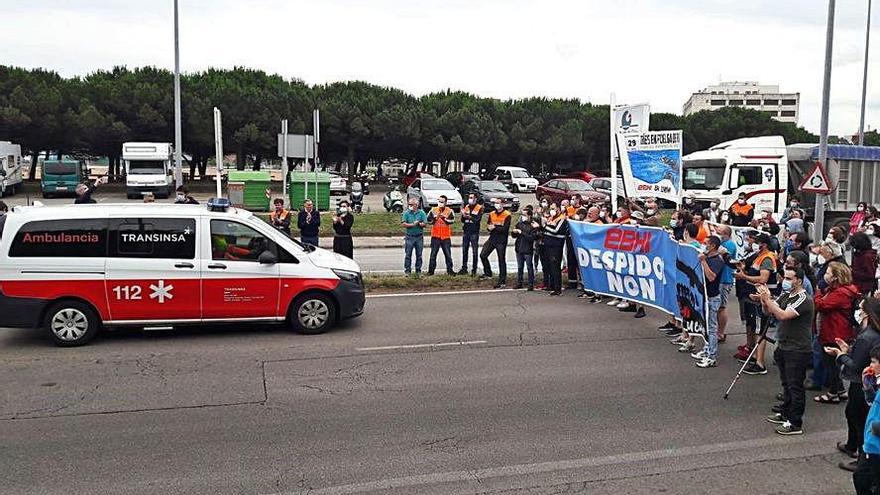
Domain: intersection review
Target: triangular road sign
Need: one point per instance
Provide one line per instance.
(816, 181)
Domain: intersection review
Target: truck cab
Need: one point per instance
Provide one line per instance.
(755, 166)
(60, 177)
(10, 168)
(148, 169)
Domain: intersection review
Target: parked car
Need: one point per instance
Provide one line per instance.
(487, 190)
(582, 175)
(556, 190)
(338, 184)
(517, 179)
(458, 179)
(413, 175)
(429, 190)
(603, 184)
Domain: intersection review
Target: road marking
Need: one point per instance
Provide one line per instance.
(413, 482)
(420, 346)
(444, 293)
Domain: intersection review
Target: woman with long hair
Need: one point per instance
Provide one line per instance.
(834, 305)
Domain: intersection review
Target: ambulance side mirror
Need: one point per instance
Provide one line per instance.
(267, 258)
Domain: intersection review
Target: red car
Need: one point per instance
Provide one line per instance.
(555, 190)
(582, 175)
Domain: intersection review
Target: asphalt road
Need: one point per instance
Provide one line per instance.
(521, 394)
(390, 260)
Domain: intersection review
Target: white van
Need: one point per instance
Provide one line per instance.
(517, 179)
(10, 168)
(73, 269)
(148, 168)
(757, 167)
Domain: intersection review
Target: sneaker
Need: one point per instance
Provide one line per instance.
(596, 299)
(686, 347)
(700, 355)
(584, 295)
(751, 361)
(666, 326)
(613, 302)
(848, 465)
(463, 271)
(673, 332)
(628, 309)
(755, 369)
(706, 363)
(788, 429)
(677, 341)
(484, 276)
(776, 418)
(500, 285)
(640, 313)
(556, 293)
(777, 409)
(623, 305)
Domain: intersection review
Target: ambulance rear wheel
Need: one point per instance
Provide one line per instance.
(312, 313)
(72, 323)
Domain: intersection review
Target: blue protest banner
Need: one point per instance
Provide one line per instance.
(690, 291)
(644, 265)
(629, 262)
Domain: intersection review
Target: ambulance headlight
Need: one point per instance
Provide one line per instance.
(353, 277)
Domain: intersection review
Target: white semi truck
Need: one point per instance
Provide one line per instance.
(769, 172)
(148, 168)
(10, 168)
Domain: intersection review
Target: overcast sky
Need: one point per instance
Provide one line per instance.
(659, 51)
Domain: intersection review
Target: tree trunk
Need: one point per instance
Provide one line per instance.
(35, 159)
(258, 161)
(59, 154)
(203, 167)
(192, 166)
(240, 160)
(350, 160)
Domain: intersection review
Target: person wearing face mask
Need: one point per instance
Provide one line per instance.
(793, 205)
(471, 217)
(855, 221)
(852, 359)
(713, 265)
(523, 233)
(741, 212)
(441, 219)
(724, 218)
(864, 263)
(828, 251)
(758, 268)
(794, 312)
(342, 223)
(498, 224)
(690, 205)
(280, 217)
(835, 305)
(872, 231)
(795, 223)
(183, 197)
(413, 221)
(622, 215)
(555, 231)
(571, 260)
(713, 212)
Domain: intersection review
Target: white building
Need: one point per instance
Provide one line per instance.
(784, 107)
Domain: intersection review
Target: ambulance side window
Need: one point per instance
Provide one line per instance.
(75, 238)
(155, 238)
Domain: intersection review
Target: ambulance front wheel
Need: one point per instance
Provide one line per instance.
(72, 323)
(312, 313)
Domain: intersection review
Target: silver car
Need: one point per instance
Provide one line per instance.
(429, 190)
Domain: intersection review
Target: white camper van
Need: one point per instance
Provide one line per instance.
(10, 168)
(148, 168)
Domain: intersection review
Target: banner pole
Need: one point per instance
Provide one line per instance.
(612, 151)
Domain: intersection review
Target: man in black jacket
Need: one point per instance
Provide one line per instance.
(498, 224)
(308, 221)
(524, 246)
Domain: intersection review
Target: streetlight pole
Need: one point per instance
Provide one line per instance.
(178, 132)
(865, 78)
(819, 217)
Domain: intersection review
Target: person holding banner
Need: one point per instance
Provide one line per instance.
(555, 232)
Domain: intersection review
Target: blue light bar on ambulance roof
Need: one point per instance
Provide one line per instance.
(218, 204)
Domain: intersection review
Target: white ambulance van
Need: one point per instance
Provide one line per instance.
(77, 268)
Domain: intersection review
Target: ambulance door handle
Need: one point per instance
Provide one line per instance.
(184, 265)
(219, 266)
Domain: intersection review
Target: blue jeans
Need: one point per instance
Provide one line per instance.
(472, 242)
(527, 260)
(712, 327)
(413, 243)
(437, 245)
